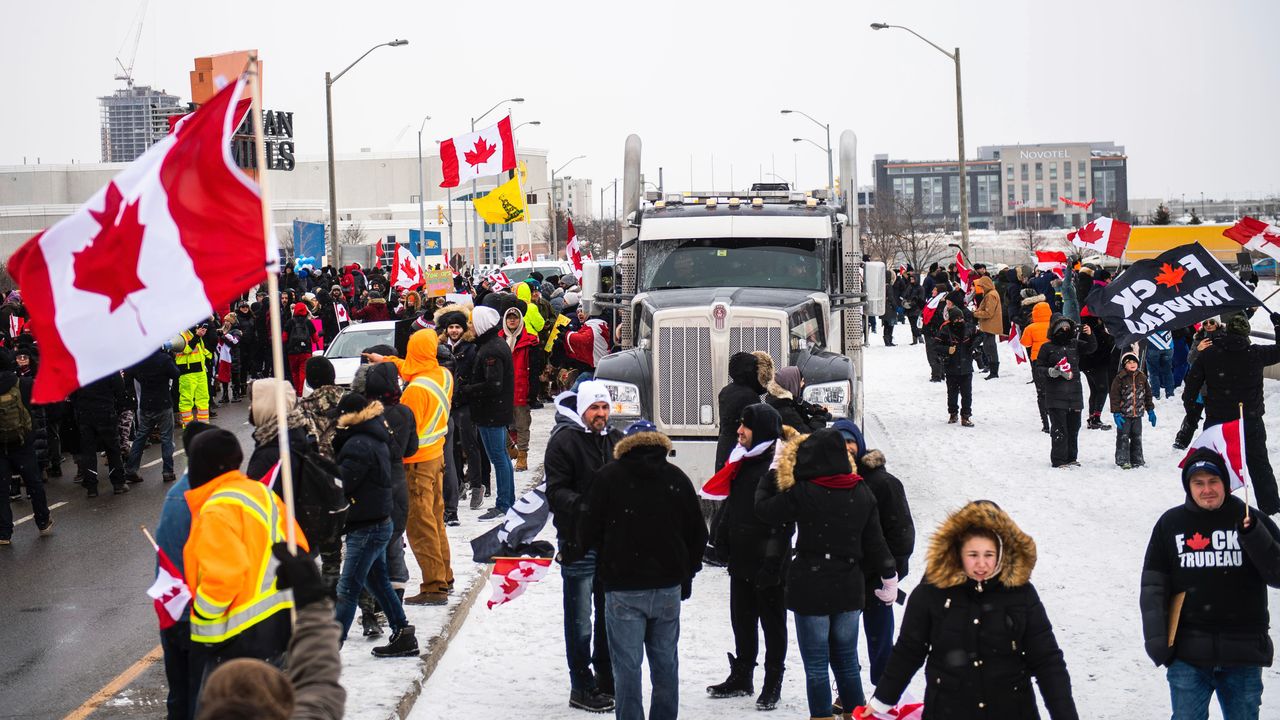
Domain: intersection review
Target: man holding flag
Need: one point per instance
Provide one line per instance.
(1204, 594)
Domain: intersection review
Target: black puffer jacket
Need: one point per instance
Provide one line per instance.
(746, 384)
(980, 644)
(758, 551)
(1059, 392)
(492, 386)
(1229, 373)
(100, 400)
(381, 382)
(839, 536)
(1100, 358)
(361, 443)
(642, 514)
(155, 375)
(960, 335)
(895, 513)
(573, 460)
(1224, 572)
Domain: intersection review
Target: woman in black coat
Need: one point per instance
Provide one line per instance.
(1058, 366)
(977, 625)
(784, 395)
(838, 536)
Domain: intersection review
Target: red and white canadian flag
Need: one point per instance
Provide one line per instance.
(1020, 354)
(963, 272)
(485, 152)
(1256, 235)
(1227, 440)
(500, 280)
(176, 234)
(1064, 365)
(169, 591)
(512, 576)
(931, 307)
(1054, 261)
(1102, 235)
(573, 251)
(340, 312)
(405, 273)
(524, 257)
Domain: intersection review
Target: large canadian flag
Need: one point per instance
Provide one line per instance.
(405, 273)
(1256, 235)
(482, 153)
(177, 233)
(572, 250)
(1102, 235)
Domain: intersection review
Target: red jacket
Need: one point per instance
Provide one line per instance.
(520, 365)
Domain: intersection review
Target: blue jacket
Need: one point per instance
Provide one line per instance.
(175, 526)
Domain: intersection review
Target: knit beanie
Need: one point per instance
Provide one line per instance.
(300, 309)
(213, 452)
(822, 454)
(319, 372)
(591, 392)
(352, 402)
(189, 433)
(1238, 324)
(763, 421)
(849, 430)
(484, 319)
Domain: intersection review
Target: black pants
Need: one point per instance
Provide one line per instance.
(1190, 424)
(935, 365)
(960, 388)
(913, 322)
(990, 350)
(1129, 442)
(467, 442)
(1064, 429)
(100, 434)
(1099, 381)
(749, 606)
(1255, 457)
(888, 321)
(20, 458)
(1040, 402)
(183, 671)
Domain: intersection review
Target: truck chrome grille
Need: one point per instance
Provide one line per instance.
(765, 338)
(683, 362)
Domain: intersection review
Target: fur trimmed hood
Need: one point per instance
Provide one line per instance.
(1017, 551)
(372, 410)
(872, 460)
(455, 310)
(785, 457)
(641, 440)
(1033, 300)
(764, 373)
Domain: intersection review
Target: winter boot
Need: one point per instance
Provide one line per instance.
(590, 700)
(404, 643)
(995, 372)
(952, 420)
(477, 498)
(771, 690)
(738, 683)
(1183, 438)
(225, 399)
(522, 461)
(966, 422)
(369, 624)
(1095, 422)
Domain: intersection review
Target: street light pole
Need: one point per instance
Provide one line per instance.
(422, 221)
(554, 206)
(328, 109)
(954, 56)
(826, 127)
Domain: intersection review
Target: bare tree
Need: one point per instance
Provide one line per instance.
(598, 236)
(916, 241)
(284, 238)
(543, 233)
(352, 234)
(1031, 241)
(880, 240)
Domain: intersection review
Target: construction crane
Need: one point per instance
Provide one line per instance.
(132, 39)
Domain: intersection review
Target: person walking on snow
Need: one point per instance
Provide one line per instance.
(1211, 560)
(1034, 336)
(1058, 366)
(954, 345)
(1130, 396)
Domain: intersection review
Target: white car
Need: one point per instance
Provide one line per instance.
(518, 272)
(344, 351)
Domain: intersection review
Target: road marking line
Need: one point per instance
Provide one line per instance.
(117, 684)
(153, 463)
(52, 507)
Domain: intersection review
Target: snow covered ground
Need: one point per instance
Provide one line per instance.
(1091, 525)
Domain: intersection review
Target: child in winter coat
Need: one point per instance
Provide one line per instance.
(1057, 369)
(1130, 395)
(954, 348)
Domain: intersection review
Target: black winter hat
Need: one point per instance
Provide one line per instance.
(822, 454)
(213, 452)
(453, 317)
(742, 370)
(189, 433)
(955, 314)
(763, 421)
(1199, 460)
(382, 382)
(352, 402)
(319, 372)
(956, 297)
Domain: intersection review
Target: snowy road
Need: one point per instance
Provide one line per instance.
(1091, 525)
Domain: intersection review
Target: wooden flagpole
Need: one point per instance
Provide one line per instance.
(1243, 461)
(150, 539)
(273, 297)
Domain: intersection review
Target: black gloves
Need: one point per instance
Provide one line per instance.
(686, 589)
(300, 574)
(1275, 318)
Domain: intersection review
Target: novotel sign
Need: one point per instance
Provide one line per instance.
(1044, 154)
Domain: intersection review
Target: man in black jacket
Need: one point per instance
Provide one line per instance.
(490, 391)
(758, 553)
(581, 443)
(96, 406)
(1227, 375)
(1210, 559)
(155, 375)
(745, 388)
(644, 582)
(453, 325)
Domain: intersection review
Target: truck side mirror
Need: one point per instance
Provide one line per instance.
(873, 283)
(590, 279)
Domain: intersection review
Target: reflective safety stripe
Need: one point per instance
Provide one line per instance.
(207, 607)
(240, 619)
(438, 426)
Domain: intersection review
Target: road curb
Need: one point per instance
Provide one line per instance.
(436, 646)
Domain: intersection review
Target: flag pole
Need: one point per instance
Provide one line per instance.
(150, 539)
(1244, 463)
(273, 294)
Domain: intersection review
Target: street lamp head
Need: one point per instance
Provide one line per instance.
(535, 122)
(398, 43)
(797, 139)
(878, 26)
(516, 100)
(784, 112)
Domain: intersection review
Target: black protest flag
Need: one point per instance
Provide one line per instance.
(518, 528)
(1178, 288)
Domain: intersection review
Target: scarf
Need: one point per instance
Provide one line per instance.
(837, 482)
(717, 488)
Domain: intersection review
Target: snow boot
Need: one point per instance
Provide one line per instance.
(952, 420)
(1095, 422)
(404, 643)
(522, 461)
(590, 700)
(772, 689)
(966, 422)
(369, 624)
(477, 498)
(738, 683)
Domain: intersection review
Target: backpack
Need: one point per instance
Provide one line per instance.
(299, 337)
(15, 421)
(319, 500)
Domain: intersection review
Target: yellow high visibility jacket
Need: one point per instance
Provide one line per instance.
(193, 354)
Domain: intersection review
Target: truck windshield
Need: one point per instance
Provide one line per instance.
(793, 263)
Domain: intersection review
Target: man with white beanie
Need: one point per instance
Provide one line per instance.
(581, 443)
(490, 391)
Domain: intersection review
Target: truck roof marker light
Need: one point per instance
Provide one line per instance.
(674, 198)
(795, 197)
(734, 202)
(811, 202)
(660, 204)
(757, 203)
(711, 203)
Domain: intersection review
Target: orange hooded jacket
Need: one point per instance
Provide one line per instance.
(428, 393)
(1037, 333)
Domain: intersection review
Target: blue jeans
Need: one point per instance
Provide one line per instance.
(645, 623)
(877, 622)
(830, 640)
(161, 421)
(1160, 371)
(1239, 691)
(494, 439)
(582, 593)
(366, 558)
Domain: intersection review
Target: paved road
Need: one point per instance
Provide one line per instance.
(73, 607)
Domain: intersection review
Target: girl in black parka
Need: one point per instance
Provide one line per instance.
(977, 625)
(1058, 367)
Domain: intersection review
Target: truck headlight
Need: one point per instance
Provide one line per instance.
(625, 397)
(834, 396)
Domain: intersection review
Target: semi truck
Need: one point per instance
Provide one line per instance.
(701, 275)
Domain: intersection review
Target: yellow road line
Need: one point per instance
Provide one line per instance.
(117, 684)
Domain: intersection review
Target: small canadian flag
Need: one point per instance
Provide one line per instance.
(169, 591)
(1064, 365)
(1226, 439)
(512, 576)
(1015, 344)
(573, 251)
(483, 153)
(524, 257)
(405, 273)
(1102, 235)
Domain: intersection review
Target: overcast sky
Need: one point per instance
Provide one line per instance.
(1191, 89)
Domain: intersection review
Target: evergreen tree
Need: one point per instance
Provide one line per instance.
(1195, 219)
(1161, 216)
